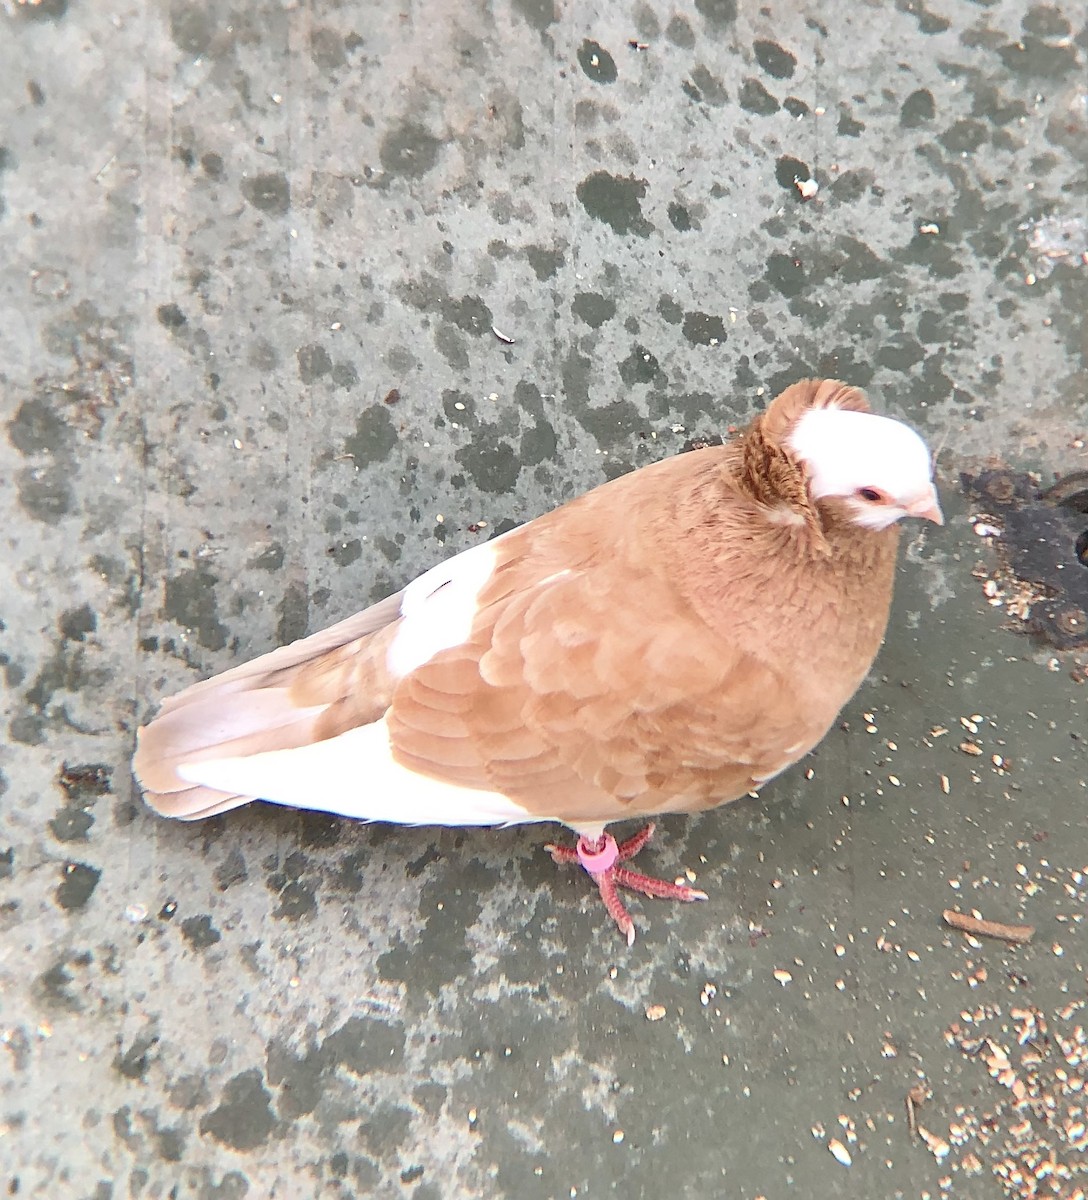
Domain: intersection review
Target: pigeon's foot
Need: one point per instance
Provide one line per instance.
(601, 858)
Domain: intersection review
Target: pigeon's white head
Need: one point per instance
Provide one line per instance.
(879, 467)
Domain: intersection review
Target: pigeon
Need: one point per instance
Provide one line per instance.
(665, 643)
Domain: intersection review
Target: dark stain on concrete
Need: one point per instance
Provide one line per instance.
(374, 437)
(680, 218)
(385, 1130)
(294, 613)
(65, 670)
(389, 548)
(1037, 59)
(530, 398)
(320, 831)
(360, 1046)
(670, 311)
(718, 14)
(199, 932)
(539, 13)
(244, 1119)
(313, 363)
(755, 98)
(134, 1062)
(964, 136)
(76, 623)
(327, 49)
(409, 150)
(190, 602)
(710, 88)
(492, 462)
(350, 875)
(363, 1045)
(72, 823)
(465, 415)
(169, 1143)
(596, 62)
(612, 424)
(187, 1092)
(345, 553)
(545, 261)
(680, 33)
(45, 493)
(900, 352)
(1045, 21)
(615, 200)
(918, 108)
(171, 317)
(270, 193)
(786, 274)
(192, 29)
(296, 897)
(38, 428)
(538, 444)
(469, 313)
(593, 308)
(703, 329)
(849, 125)
(233, 1186)
(928, 22)
(7, 862)
(776, 61)
(78, 881)
(788, 170)
(300, 1079)
(53, 985)
(271, 558)
(230, 871)
(852, 261)
(345, 375)
(850, 186)
(641, 366)
(451, 345)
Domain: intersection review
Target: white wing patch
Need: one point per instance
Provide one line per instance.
(355, 775)
(439, 608)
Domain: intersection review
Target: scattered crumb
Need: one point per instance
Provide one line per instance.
(937, 1146)
(840, 1152)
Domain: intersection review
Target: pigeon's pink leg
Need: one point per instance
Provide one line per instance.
(601, 859)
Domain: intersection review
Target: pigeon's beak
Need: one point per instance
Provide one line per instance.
(928, 507)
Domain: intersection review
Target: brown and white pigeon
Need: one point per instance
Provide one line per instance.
(665, 643)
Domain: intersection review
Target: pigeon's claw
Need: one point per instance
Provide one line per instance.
(601, 859)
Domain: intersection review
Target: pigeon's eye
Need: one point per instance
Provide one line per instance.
(870, 494)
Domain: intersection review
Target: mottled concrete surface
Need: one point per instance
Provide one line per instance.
(252, 258)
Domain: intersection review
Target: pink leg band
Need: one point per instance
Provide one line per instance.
(600, 857)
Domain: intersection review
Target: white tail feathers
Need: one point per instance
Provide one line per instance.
(243, 711)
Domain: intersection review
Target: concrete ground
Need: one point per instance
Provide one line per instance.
(295, 298)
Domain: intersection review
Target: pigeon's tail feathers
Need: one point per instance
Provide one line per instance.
(216, 724)
(275, 702)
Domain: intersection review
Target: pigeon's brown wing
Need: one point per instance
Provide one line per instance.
(597, 692)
